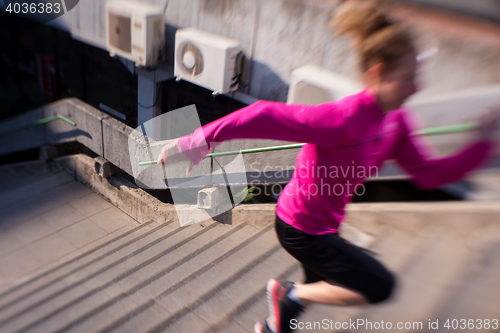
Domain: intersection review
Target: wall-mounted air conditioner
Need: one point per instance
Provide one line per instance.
(208, 60)
(314, 85)
(135, 30)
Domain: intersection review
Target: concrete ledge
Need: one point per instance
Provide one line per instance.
(257, 215)
(142, 206)
(458, 217)
(126, 196)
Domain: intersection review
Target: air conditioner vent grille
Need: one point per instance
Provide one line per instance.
(191, 59)
(119, 32)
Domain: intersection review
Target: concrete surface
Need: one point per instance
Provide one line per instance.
(50, 217)
(72, 261)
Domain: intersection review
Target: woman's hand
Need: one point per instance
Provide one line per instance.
(488, 124)
(171, 153)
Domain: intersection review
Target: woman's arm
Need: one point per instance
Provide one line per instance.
(319, 124)
(416, 155)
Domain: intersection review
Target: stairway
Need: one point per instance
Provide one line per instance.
(211, 277)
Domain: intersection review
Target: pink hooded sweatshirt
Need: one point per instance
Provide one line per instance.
(346, 142)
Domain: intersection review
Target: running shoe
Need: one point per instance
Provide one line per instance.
(261, 327)
(281, 308)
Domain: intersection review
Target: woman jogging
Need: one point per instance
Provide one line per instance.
(358, 132)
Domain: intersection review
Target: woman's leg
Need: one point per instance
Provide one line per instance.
(348, 274)
(328, 293)
(337, 273)
(315, 289)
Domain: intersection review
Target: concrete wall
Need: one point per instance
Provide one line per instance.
(282, 35)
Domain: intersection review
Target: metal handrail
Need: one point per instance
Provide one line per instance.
(427, 131)
(36, 123)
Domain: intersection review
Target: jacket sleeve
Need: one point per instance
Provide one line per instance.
(419, 158)
(319, 124)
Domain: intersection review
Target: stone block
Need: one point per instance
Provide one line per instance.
(209, 198)
(104, 168)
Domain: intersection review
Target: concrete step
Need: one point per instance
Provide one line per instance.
(70, 314)
(59, 281)
(206, 256)
(93, 277)
(222, 299)
(148, 282)
(476, 299)
(244, 316)
(221, 262)
(217, 302)
(394, 248)
(44, 280)
(254, 308)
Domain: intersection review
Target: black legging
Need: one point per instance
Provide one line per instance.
(330, 257)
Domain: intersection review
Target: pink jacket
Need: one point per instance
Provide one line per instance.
(347, 142)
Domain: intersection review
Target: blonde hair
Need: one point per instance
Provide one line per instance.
(377, 38)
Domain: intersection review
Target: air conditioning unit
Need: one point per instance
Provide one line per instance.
(135, 30)
(208, 60)
(314, 85)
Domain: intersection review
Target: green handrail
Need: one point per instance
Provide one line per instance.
(427, 131)
(447, 129)
(257, 150)
(36, 123)
(148, 162)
